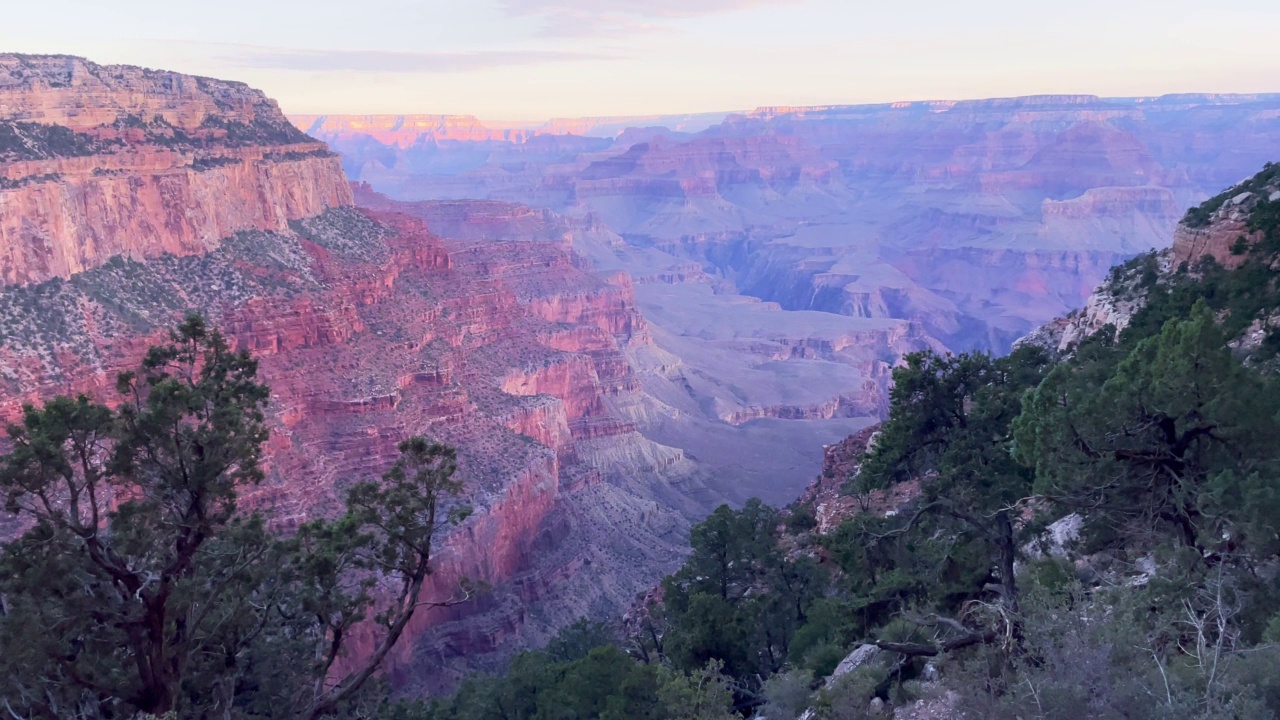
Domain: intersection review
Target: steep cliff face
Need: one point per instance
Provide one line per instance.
(369, 329)
(83, 96)
(98, 161)
(1221, 227)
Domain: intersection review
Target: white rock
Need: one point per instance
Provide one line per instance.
(1241, 198)
(1064, 532)
(877, 706)
(1055, 539)
(854, 660)
(1146, 568)
(1274, 196)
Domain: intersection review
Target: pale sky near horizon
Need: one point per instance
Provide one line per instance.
(536, 59)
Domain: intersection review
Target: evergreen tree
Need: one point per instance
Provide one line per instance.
(948, 430)
(140, 585)
(1178, 441)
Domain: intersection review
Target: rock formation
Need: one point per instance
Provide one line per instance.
(1219, 230)
(99, 161)
(978, 220)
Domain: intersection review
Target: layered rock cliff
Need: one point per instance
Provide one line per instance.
(131, 196)
(99, 161)
(977, 219)
(1221, 228)
(369, 329)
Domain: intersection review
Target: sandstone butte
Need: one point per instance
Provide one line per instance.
(163, 192)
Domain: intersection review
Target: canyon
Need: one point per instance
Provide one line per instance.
(621, 323)
(976, 220)
(586, 448)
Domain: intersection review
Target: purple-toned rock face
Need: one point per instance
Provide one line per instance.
(978, 219)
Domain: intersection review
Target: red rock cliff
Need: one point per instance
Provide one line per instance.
(100, 161)
(127, 196)
(1224, 222)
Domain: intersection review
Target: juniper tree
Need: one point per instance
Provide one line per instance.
(141, 586)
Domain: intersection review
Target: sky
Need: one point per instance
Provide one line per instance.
(527, 60)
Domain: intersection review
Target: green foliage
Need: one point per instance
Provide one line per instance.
(209, 163)
(1179, 439)
(801, 520)
(738, 600)
(1200, 215)
(38, 141)
(849, 697)
(947, 429)
(1159, 437)
(576, 641)
(605, 684)
(141, 586)
(347, 232)
(264, 129)
(787, 694)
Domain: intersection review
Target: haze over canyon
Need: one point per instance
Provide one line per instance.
(621, 323)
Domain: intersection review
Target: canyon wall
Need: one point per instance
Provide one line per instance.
(128, 197)
(98, 161)
(369, 328)
(1223, 232)
(977, 219)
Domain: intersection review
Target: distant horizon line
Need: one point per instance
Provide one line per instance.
(498, 123)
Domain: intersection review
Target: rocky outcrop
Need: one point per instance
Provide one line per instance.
(829, 495)
(1220, 228)
(1109, 305)
(103, 161)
